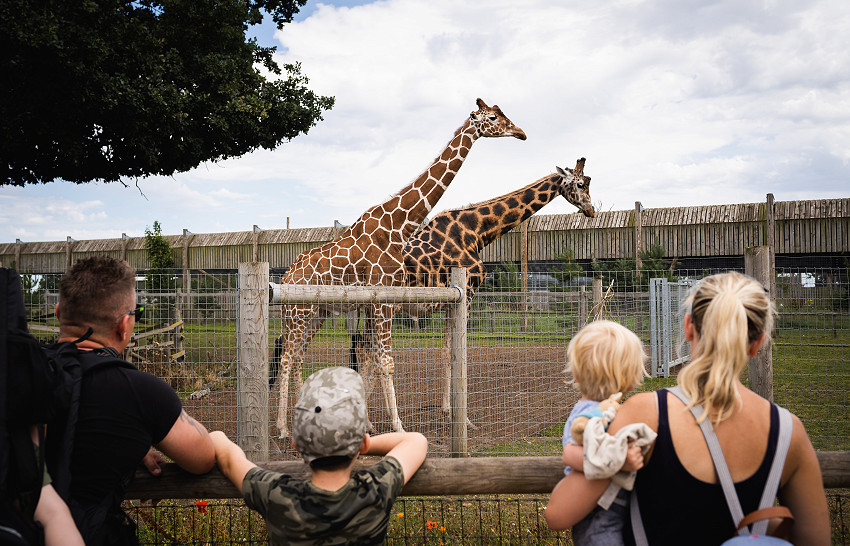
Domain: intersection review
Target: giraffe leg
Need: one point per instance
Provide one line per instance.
(368, 374)
(385, 364)
(366, 355)
(301, 324)
(286, 366)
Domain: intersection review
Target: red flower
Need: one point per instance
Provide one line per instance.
(202, 506)
(431, 524)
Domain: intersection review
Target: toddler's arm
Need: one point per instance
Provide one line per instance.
(573, 456)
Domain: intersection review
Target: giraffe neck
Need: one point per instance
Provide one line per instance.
(408, 208)
(501, 214)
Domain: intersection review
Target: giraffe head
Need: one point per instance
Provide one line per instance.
(575, 187)
(490, 121)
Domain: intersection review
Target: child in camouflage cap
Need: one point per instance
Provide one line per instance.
(336, 505)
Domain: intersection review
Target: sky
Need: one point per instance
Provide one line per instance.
(672, 102)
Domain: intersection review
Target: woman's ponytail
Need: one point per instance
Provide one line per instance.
(729, 311)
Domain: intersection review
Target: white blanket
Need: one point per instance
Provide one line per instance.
(605, 454)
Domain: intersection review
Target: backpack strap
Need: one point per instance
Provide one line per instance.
(772, 483)
(75, 364)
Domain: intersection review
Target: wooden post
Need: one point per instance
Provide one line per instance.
(124, 240)
(769, 235)
(597, 298)
(458, 366)
(18, 245)
(255, 240)
(638, 236)
(68, 242)
(187, 282)
(523, 272)
(252, 412)
(757, 265)
(582, 305)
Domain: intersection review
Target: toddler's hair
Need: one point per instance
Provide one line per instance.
(605, 358)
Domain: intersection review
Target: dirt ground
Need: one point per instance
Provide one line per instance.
(514, 395)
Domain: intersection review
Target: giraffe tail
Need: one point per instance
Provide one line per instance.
(356, 341)
(275, 363)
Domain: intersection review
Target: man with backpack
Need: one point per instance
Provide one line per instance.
(122, 411)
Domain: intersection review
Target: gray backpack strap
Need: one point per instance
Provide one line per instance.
(637, 523)
(771, 485)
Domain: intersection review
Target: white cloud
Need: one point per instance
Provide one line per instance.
(674, 103)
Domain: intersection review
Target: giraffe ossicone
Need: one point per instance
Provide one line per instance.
(370, 252)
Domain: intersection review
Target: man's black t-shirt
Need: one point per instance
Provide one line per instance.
(122, 413)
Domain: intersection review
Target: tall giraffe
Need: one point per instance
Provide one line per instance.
(455, 238)
(370, 252)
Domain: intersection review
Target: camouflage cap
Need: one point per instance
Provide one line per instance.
(330, 418)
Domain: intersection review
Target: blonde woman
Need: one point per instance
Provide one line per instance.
(729, 318)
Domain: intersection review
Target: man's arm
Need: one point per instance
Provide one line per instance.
(408, 448)
(188, 444)
(230, 458)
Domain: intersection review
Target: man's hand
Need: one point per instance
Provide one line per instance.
(152, 461)
(634, 459)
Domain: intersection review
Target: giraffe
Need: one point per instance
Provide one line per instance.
(370, 252)
(456, 237)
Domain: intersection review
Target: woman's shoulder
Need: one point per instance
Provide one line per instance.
(639, 408)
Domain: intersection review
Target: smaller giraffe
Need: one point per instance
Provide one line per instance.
(455, 238)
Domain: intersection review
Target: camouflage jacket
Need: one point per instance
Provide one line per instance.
(299, 513)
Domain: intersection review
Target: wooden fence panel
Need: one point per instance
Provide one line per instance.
(817, 226)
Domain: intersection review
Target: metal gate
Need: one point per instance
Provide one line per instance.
(667, 346)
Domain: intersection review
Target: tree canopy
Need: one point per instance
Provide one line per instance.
(112, 90)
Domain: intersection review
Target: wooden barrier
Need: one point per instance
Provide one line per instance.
(436, 477)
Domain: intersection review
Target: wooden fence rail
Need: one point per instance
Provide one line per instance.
(436, 477)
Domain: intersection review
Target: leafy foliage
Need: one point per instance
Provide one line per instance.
(159, 276)
(115, 89)
(624, 271)
(567, 270)
(506, 279)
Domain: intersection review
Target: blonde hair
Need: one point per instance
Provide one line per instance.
(729, 312)
(605, 358)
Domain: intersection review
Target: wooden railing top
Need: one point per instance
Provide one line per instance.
(436, 477)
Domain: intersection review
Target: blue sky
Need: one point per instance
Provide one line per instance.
(672, 102)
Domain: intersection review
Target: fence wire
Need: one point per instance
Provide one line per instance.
(517, 335)
(484, 520)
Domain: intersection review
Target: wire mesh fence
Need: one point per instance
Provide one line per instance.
(486, 520)
(517, 336)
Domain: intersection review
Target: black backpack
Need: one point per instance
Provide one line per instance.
(42, 385)
(31, 392)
